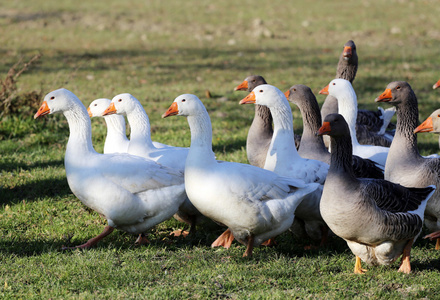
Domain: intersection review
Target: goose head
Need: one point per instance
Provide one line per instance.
(349, 52)
(185, 105)
(98, 106)
(431, 124)
(334, 125)
(338, 88)
(57, 101)
(298, 93)
(396, 92)
(122, 104)
(250, 82)
(266, 95)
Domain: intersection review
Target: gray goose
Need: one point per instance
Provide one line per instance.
(261, 130)
(431, 124)
(370, 126)
(378, 219)
(312, 145)
(404, 163)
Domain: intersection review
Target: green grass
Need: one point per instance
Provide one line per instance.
(156, 51)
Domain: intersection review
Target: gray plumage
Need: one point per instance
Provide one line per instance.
(312, 145)
(261, 130)
(376, 217)
(404, 164)
(369, 124)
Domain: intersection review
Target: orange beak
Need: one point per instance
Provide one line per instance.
(426, 126)
(43, 110)
(111, 110)
(324, 91)
(90, 112)
(172, 111)
(325, 129)
(242, 86)
(385, 96)
(287, 94)
(347, 53)
(436, 85)
(249, 99)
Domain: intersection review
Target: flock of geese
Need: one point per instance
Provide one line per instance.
(352, 173)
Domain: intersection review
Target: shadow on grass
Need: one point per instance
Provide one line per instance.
(34, 191)
(13, 165)
(159, 238)
(433, 264)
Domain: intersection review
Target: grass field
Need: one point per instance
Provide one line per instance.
(157, 50)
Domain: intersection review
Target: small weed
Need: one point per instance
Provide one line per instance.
(11, 101)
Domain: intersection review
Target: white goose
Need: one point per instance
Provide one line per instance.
(116, 140)
(431, 124)
(131, 192)
(283, 158)
(255, 204)
(342, 90)
(142, 145)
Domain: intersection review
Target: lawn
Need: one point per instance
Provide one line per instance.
(157, 50)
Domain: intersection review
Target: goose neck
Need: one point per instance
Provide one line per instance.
(347, 107)
(282, 147)
(201, 132)
(311, 123)
(263, 117)
(405, 139)
(341, 161)
(347, 71)
(140, 127)
(115, 125)
(80, 137)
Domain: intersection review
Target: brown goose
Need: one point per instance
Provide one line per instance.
(404, 163)
(378, 219)
(261, 130)
(312, 145)
(370, 126)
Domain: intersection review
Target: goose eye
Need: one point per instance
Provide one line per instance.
(261, 91)
(294, 90)
(183, 100)
(398, 88)
(334, 83)
(120, 100)
(253, 80)
(438, 116)
(96, 104)
(53, 97)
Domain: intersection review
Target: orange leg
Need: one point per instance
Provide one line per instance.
(405, 266)
(436, 236)
(184, 233)
(357, 266)
(92, 242)
(250, 246)
(269, 243)
(180, 232)
(224, 240)
(141, 240)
